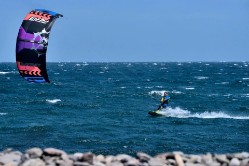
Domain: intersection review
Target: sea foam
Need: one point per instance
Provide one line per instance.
(4, 72)
(181, 113)
(155, 92)
(53, 101)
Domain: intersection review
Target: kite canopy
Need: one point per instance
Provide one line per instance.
(31, 44)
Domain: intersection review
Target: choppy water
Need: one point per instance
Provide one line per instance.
(102, 107)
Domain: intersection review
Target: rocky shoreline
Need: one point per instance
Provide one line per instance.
(56, 157)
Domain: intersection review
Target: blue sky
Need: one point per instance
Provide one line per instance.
(135, 30)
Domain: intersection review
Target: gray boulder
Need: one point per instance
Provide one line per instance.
(34, 162)
(34, 152)
(222, 158)
(234, 162)
(12, 157)
(245, 162)
(142, 157)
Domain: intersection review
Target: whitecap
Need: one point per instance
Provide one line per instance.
(159, 86)
(155, 92)
(201, 77)
(85, 64)
(213, 94)
(53, 101)
(245, 78)
(148, 87)
(245, 95)
(176, 92)
(3, 113)
(190, 88)
(4, 72)
(221, 83)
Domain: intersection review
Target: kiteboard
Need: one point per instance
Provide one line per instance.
(155, 113)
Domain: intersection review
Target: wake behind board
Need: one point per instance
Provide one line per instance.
(155, 113)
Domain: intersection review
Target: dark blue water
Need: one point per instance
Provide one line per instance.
(102, 107)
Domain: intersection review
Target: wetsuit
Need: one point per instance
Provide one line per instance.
(164, 102)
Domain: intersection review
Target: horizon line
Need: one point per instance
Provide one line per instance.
(142, 62)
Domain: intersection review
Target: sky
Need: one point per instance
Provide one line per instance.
(135, 30)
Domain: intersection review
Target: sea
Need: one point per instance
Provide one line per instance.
(103, 108)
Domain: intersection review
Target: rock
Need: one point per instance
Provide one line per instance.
(156, 162)
(195, 159)
(53, 152)
(234, 162)
(241, 156)
(178, 152)
(8, 150)
(144, 164)
(214, 163)
(11, 164)
(115, 163)
(81, 164)
(88, 157)
(143, 157)
(34, 162)
(192, 164)
(245, 162)
(50, 160)
(100, 158)
(64, 163)
(171, 162)
(222, 158)
(178, 159)
(12, 157)
(123, 158)
(34, 152)
(165, 156)
(98, 164)
(109, 159)
(169, 156)
(132, 162)
(76, 156)
(207, 159)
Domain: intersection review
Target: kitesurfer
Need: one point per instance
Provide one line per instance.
(164, 101)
